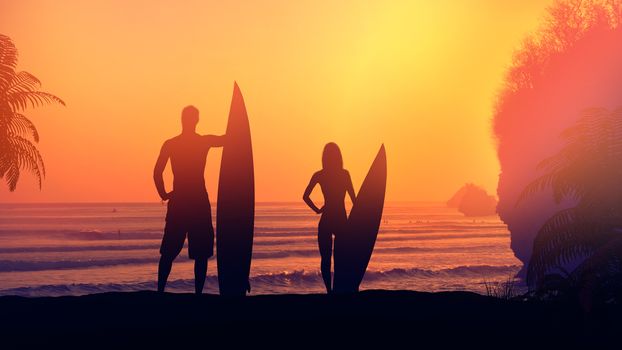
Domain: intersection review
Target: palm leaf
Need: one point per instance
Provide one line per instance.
(12, 176)
(21, 99)
(554, 179)
(28, 155)
(565, 237)
(601, 273)
(8, 61)
(21, 154)
(20, 125)
(5, 158)
(8, 52)
(593, 146)
(23, 81)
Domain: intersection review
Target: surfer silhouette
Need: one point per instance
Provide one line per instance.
(334, 181)
(188, 209)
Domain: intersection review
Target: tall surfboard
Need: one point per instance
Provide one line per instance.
(355, 244)
(235, 212)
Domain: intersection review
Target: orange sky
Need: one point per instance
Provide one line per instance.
(420, 76)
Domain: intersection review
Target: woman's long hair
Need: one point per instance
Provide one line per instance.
(331, 157)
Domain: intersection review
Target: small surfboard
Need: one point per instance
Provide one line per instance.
(355, 244)
(235, 212)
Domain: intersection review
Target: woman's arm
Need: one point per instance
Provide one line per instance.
(306, 196)
(350, 188)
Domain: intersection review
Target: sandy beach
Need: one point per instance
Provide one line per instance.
(387, 316)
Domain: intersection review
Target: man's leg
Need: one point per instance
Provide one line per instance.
(200, 271)
(201, 247)
(164, 269)
(172, 243)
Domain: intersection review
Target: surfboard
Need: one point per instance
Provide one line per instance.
(355, 244)
(235, 211)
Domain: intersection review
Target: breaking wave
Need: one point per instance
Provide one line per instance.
(305, 281)
(26, 265)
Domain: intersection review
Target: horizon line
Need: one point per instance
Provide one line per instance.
(157, 202)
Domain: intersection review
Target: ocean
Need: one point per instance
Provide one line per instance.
(76, 249)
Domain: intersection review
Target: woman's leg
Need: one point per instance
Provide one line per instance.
(200, 270)
(325, 242)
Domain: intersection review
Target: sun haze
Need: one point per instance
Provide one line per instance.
(419, 76)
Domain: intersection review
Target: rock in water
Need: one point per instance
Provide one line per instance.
(472, 200)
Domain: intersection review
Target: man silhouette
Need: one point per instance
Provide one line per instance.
(188, 209)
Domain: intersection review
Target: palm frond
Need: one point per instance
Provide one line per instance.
(565, 237)
(8, 61)
(558, 161)
(12, 176)
(5, 158)
(602, 271)
(8, 52)
(588, 123)
(20, 154)
(593, 146)
(23, 81)
(22, 99)
(20, 125)
(28, 155)
(554, 179)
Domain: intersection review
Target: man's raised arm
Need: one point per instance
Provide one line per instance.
(158, 170)
(215, 140)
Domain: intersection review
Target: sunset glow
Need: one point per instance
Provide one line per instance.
(419, 76)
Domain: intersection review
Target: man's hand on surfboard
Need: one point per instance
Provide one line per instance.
(215, 140)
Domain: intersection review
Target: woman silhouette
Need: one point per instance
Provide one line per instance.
(334, 181)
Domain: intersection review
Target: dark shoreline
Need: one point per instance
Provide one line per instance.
(446, 317)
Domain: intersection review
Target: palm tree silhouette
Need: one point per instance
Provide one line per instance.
(18, 91)
(588, 169)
